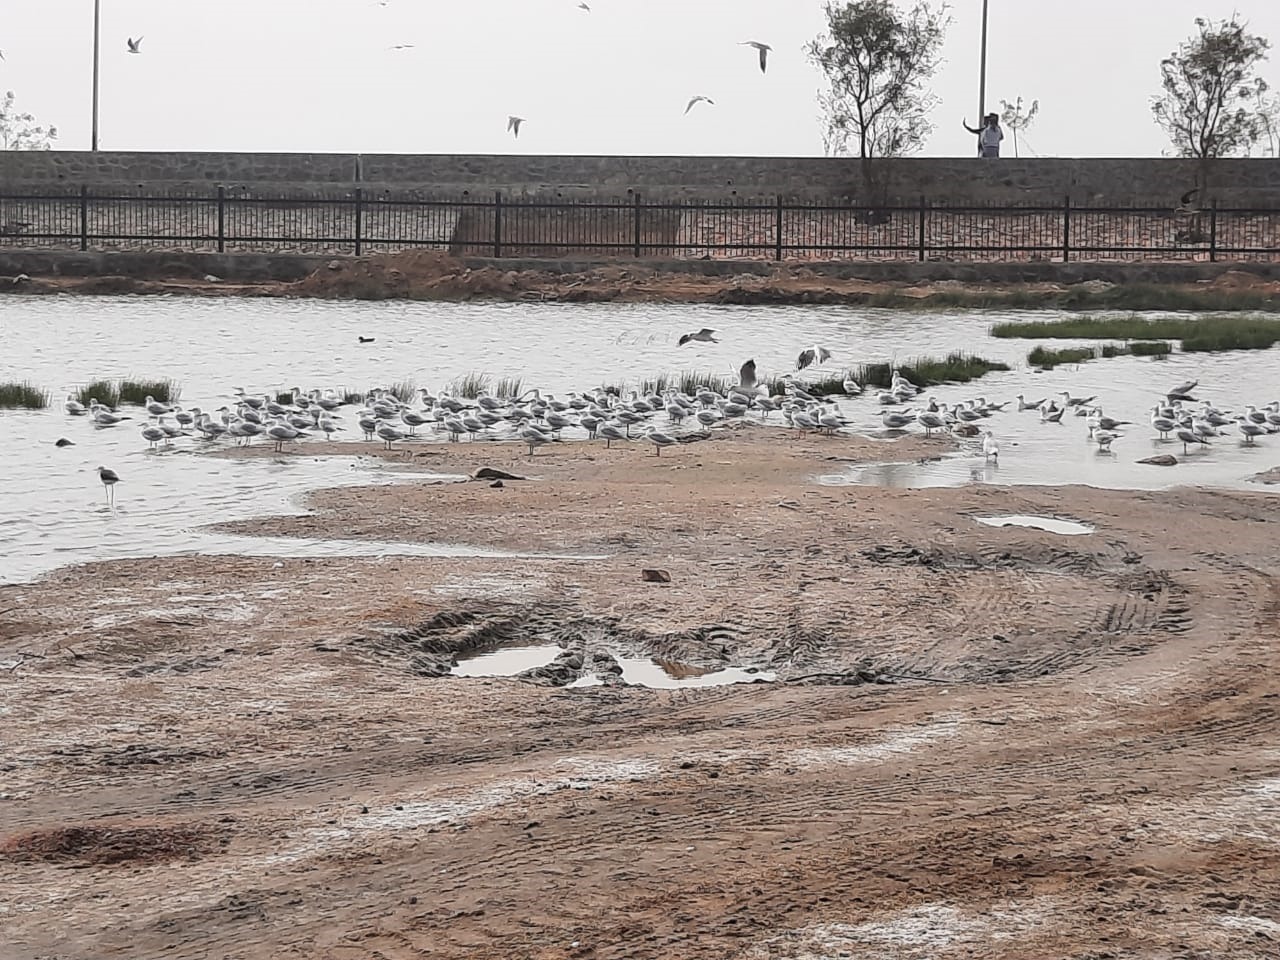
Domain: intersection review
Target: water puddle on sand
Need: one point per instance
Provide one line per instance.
(1069, 528)
(507, 662)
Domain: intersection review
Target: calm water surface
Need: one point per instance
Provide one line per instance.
(52, 509)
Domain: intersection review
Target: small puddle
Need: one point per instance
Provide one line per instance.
(508, 661)
(1068, 528)
(640, 672)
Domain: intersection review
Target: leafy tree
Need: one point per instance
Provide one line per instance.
(1016, 117)
(877, 59)
(19, 131)
(1210, 97)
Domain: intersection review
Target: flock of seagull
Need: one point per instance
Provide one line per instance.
(663, 419)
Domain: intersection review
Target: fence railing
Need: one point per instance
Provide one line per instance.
(359, 221)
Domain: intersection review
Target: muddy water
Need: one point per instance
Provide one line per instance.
(52, 509)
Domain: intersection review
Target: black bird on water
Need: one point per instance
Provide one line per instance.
(365, 339)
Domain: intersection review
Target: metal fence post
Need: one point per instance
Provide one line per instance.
(922, 219)
(222, 219)
(1213, 232)
(1066, 229)
(497, 224)
(84, 217)
(359, 221)
(636, 245)
(777, 230)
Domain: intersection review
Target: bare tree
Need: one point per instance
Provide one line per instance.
(19, 131)
(877, 60)
(1210, 97)
(1016, 117)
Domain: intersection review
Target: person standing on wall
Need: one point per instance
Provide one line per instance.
(989, 136)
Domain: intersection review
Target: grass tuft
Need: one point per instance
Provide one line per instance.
(1046, 358)
(403, 390)
(508, 388)
(1151, 348)
(353, 398)
(22, 396)
(104, 391)
(928, 371)
(469, 386)
(163, 390)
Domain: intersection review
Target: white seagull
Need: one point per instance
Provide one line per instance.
(990, 448)
(764, 49)
(705, 335)
(814, 354)
(696, 100)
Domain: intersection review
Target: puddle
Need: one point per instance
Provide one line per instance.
(507, 662)
(640, 672)
(1069, 528)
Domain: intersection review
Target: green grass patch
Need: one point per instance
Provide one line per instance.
(1151, 348)
(22, 396)
(1221, 332)
(470, 385)
(104, 391)
(928, 371)
(1126, 296)
(352, 397)
(136, 392)
(1046, 358)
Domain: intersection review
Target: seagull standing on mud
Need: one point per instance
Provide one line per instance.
(513, 126)
(764, 49)
(703, 336)
(696, 100)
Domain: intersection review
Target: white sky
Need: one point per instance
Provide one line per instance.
(317, 75)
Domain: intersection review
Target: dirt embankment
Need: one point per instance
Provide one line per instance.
(426, 275)
(988, 743)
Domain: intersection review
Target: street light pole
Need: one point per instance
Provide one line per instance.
(97, 16)
(982, 75)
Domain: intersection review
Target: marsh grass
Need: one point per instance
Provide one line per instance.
(285, 397)
(1046, 358)
(508, 388)
(470, 385)
(1078, 297)
(104, 391)
(955, 367)
(353, 398)
(22, 396)
(403, 390)
(164, 390)
(1220, 332)
(1151, 348)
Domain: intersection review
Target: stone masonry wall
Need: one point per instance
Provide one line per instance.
(1100, 181)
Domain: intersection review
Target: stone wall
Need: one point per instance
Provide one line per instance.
(940, 179)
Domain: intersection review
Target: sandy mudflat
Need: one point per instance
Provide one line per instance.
(249, 758)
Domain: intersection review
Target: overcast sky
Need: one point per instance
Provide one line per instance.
(318, 75)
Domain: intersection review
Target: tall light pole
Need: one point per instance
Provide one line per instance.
(982, 70)
(97, 17)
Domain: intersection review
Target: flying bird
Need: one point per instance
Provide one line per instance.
(747, 375)
(583, 6)
(764, 49)
(513, 125)
(401, 46)
(698, 99)
(134, 45)
(704, 335)
(814, 354)
(1, 54)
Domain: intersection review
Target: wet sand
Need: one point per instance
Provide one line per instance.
(988, 742)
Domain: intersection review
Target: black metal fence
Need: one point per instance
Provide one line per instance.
(362, 221)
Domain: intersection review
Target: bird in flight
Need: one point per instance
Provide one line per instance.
(747, 375)
(1, 54)
(513, 125)
(704, 335)
(401, 46)
(764, 49)
(135, 45)
(583, 6)
(814, 354)
(698, 99)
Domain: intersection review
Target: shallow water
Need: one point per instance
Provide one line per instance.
(1069, 528)
(52, 508)
(508, 661)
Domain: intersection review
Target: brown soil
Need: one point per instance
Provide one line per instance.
(428, 275)
(983, 743)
